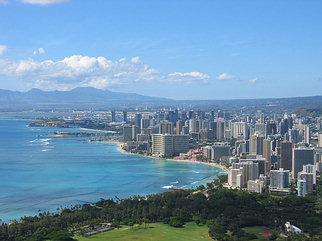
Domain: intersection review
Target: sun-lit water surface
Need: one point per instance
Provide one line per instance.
(40, 172)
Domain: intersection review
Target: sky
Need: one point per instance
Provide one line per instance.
(180, 49)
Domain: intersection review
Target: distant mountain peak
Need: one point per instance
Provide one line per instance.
(78, 97)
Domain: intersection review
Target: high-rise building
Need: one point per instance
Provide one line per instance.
(236, 177)
(307, 134)
(255, 186)
(220, 150)
(301, 156)
(166, 127)
(309, 168)
(127, 133)
(250, 170)
(267, 153)
(308, 177)
(130, 133)
(171, 117)
(261, 118)
(195, 125)
(169, 145)
(206, 134)
(284, 126)
(280, 178)
(239, 129)
(271, 128)
(137, 119)
(124, 116)
(179, 125)
(286, 155)
(294, 136)
(212, 115)
(301, 187)
(220, 130)
(256, 144)
(113, 115)
(145, 123)
(185, 130)
(213, 126)
(320, 139)
(261, 161)
(260, 128)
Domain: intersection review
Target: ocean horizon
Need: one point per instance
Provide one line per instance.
(40, 172)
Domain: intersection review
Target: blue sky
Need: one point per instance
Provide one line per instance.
(182, 49)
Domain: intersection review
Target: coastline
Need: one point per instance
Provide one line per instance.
(88, 129)
(224, 169)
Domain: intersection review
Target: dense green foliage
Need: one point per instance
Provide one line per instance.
(313, 112)
(225, 211)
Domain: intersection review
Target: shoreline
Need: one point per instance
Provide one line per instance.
(88, 129)
(119, 148)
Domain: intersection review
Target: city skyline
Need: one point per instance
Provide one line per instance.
(213, 50)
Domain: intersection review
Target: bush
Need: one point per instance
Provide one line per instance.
(176, 222)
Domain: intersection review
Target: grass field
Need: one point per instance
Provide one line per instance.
(256, 230)
(155, 231)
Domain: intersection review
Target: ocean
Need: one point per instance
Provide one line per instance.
(40, 172)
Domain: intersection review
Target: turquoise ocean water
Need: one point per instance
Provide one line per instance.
(40, 172)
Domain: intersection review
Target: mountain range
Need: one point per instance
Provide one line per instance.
(79, 97)
(89, 97)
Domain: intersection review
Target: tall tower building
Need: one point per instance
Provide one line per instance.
(286, 155)
(169, 145)
(130, 133)
(113, 115)
(256, 144)
(124, 116)
(179, 125)
(307, 134)
(137, 120)
(166, 127)
(320, 139)
(239, 129)
(220, 130)
(145, 123)
(294, 136)
(301, 157)
(280, 178)
(267, 153)
(260, 128)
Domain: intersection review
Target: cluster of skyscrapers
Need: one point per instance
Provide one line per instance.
(272, 151)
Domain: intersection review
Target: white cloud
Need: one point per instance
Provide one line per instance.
(98, 72)
(43, 2)
(4, 2)
(225, 76)
(77, 70)
(39, 51)
(3, 48)
(186, 78)
(253, 80)
(136, 60)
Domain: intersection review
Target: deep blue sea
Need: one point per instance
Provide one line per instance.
(40, 172)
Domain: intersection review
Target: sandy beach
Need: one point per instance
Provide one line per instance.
(119, 148)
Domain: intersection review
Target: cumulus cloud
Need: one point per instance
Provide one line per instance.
(99, 72)
(3, 48)
(254, 80)
(187, 78)
(39, 51)
(225, 76)
(43, 2)
(77, 70)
